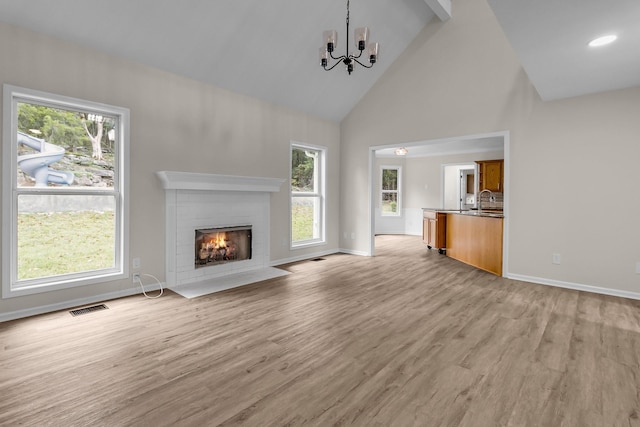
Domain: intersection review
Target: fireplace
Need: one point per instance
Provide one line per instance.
(221, 245)
(206, 202)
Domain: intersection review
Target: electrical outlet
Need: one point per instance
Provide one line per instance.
(136, 278)
(638, 267)
(135, 263)
(555, 259)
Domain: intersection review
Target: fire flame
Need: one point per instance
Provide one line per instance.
(218, 241)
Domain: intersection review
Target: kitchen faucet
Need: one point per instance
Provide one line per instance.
(492, 198)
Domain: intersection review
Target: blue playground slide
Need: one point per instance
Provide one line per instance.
(36, 165)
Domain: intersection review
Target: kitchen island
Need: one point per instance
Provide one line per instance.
(473, 237)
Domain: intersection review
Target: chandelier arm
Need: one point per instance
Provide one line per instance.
(365, 66)
(338, 58)
(334, 65)
(356, 57)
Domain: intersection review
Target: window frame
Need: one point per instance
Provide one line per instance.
(11, 286)
(398, 191)
(319, 178)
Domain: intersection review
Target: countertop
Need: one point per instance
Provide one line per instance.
(483, 212)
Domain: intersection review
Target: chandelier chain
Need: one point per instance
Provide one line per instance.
(347, 12)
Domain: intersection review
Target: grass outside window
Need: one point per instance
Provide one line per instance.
(57, 243)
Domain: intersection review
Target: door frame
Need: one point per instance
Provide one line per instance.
(507, 187)
(443, 171)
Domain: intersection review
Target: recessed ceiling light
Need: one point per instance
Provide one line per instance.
(601, 41)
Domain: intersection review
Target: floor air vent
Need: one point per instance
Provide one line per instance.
(86, 310)
(318, 259)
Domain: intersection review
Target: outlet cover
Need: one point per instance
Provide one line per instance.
(135, 263)
(638, 267)
(555, 259)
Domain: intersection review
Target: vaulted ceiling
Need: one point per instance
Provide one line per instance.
(268, 49)
(551, 39)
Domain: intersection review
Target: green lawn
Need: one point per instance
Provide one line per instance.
(51, 244)
(302, 222)
(66, 242)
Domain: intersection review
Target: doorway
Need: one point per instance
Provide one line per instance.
(467, 189)
(458, 186)
(445, 147)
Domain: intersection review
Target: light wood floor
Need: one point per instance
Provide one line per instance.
(406, 338)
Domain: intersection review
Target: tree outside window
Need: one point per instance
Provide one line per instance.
(307, 195)
(64, 191)
(390, 191)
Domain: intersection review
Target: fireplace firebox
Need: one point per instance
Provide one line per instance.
(222, 245)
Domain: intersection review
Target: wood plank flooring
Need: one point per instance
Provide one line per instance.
(406, 338)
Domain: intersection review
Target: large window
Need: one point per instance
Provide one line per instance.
(307, 195)
(390, 190)
(64, 192)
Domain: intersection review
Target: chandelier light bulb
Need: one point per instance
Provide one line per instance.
(361, 38)
(373, 52)
(330, 39)
(324, 56)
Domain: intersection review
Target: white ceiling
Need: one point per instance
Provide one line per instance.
(268, 49)
(551, 40)
(447, 147)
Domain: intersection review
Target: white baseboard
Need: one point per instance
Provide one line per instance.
(352, 252)
(574, 286)
(49, 308)
(33, 311)
(277, 262)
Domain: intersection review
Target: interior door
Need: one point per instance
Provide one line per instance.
(467, 189)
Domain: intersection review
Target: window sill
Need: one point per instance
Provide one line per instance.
(11, 291)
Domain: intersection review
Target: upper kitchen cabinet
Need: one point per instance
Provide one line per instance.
(491, 175)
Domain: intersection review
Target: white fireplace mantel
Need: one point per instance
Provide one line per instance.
(201, 200)
(172, 180)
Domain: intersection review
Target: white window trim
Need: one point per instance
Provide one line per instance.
(398, 191)
(11, 96)
(321, 170)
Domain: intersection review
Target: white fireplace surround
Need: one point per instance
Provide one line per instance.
(199, 200)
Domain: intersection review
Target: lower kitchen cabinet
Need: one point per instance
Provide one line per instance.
(434, 228)
(476, 240)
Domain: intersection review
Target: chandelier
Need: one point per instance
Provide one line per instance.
(330, 39)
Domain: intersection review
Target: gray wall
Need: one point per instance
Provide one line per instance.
(571, 162)
(176, 124)
(422, 187)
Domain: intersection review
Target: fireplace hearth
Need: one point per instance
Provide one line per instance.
(222, 245)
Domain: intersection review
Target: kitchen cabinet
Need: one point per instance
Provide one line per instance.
(434, 227)
(491, 175)
(476, 240)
